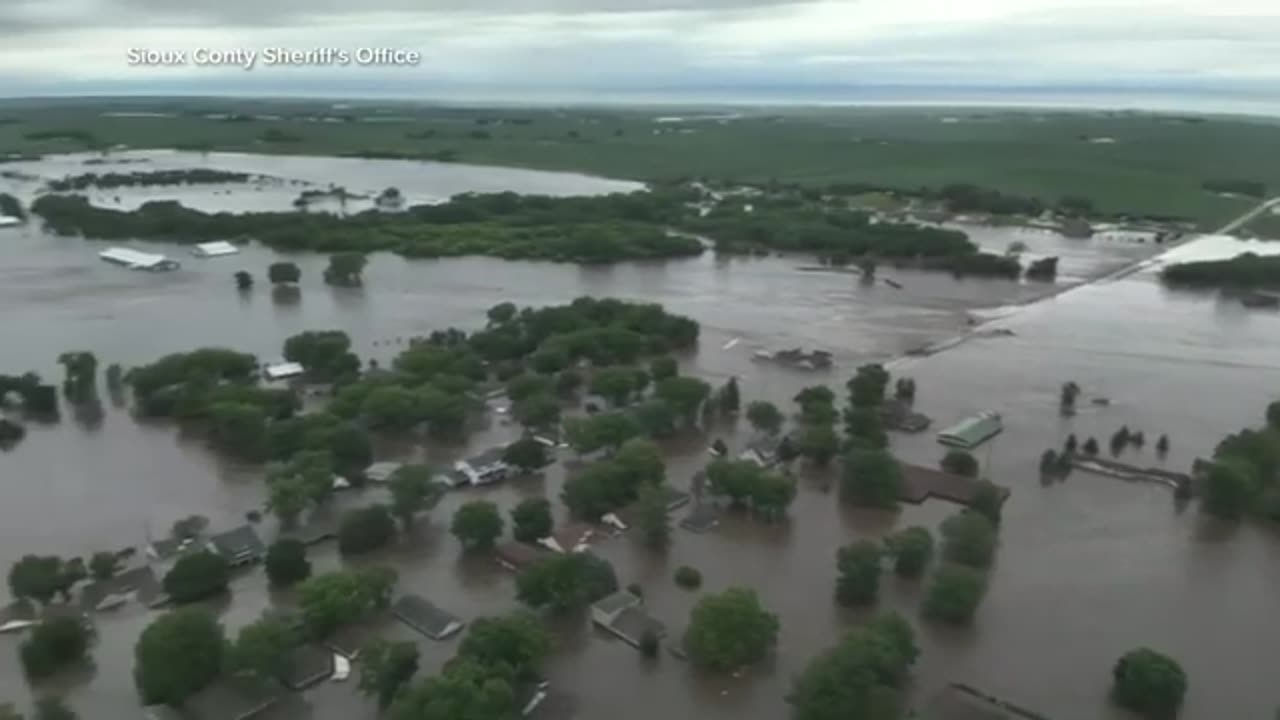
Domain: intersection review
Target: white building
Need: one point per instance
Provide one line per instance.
(485, 468)
(214, 249)
(135, 260)
(283, 370)
(9, 221)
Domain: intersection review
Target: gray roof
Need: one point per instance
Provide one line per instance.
(231, 699)
(238, 541)
(161, 712)
(486, 457)
(310, 664)
(140, 582)
(422, 615)
(616, 602)
(961, 702)
(382, 471)
(701, 518)
(632, 623)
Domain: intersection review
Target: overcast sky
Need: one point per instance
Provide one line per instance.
(522, 47)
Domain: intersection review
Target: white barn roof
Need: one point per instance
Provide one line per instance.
(132, 258)
(8, 220)
(280, 371)
(215, 249)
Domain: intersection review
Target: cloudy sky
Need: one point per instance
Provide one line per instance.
(521, 48)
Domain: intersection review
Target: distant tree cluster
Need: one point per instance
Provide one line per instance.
(748, 485)
(107, 181)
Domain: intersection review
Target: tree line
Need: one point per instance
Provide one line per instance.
(1246, 270)
(148, 178)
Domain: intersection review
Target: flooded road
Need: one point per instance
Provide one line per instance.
(1088, 568)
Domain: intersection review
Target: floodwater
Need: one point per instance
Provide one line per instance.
(1088, 568)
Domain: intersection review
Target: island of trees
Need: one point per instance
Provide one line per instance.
(1247, 270)
(104, 181)
(600, 229)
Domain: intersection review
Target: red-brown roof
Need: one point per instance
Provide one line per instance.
(920, 483)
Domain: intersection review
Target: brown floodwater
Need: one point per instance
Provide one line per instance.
(1088, 568)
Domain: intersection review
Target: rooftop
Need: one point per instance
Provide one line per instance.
(311, 664)
(517, 555)
(231, 699)
(615, 603)
(140, 583)
(920, 483)
(972, 431)
(961, 702)
(701, 518)
(381, 471)
(486, 457)
(422, 615)
(282, 370)
(633, 623)
(133, 258)
(574, 537)
(215, 249)
(239, 543)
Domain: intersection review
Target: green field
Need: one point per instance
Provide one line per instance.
(1155, 166)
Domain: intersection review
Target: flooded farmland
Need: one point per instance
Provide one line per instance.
(1088, 568)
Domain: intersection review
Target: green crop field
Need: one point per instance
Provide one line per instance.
(1132, 163)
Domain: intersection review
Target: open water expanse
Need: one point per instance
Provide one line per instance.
(1088, 568)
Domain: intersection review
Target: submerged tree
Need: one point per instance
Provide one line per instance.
(244, 280)
(1149, 683)
(1067, 396)
(280, 273)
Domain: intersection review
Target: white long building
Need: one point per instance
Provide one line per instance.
(135, 260)
(215, 249)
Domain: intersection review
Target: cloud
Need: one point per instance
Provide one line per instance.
(517, 46)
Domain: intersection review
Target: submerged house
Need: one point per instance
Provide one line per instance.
(239, 546)
(623, 615)
(485, 468)
(763, 451)
(972, 431)
(283, 370)
(219, 248)
(381, 472)
(961, 702)
(516, 556)
(135, 260)
(425, 617)
(920, 483)
(138, 583)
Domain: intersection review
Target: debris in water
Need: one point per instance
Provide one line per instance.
(731, 343)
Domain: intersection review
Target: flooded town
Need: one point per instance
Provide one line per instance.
(1092, 561)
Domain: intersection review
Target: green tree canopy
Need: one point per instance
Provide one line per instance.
(363, 530)
(954, 593)
(385, 667)
(40, 578)
(528, 454)
(651, 515)
(531, 520)
(729, 630)
(345, 268)
(331, 600)
(872, 478)
(413, 490)
(196, 576)
(858, 582)
(516, 641)
(969, 538)
(1149, 683)
(566, 581)
(287, 562)
(960, 462)
(55, 643)
(911, 549)
(861, 677)
(477, 524)
(177, 655)
(283, 272)
(685, 395)
(465, 689)
(264, 649)
(764, 416)
(540, 411)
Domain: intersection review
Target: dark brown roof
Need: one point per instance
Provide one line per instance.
(518, 555)
(919, 483)
(961, 702)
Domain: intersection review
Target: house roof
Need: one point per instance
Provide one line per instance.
(310, 664)
(615, 603)
(972, 431)
(573, 537)
(141, 581)
(920, 483)
(281, 370)
(486, 457)
(382, 471)
(701, 518)
(216, 249)
(238, 541)
(961, 702)
(632, 623)
(231, 699)
(518, 555)
(424, 616)
(764, 445)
